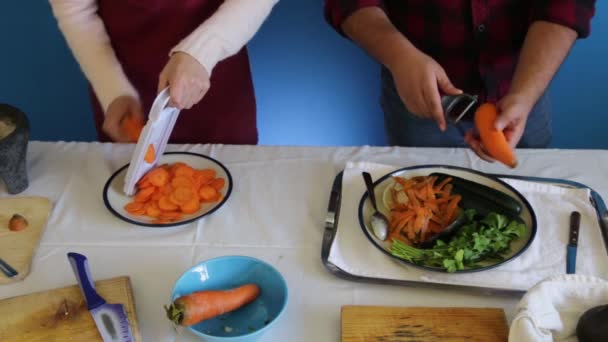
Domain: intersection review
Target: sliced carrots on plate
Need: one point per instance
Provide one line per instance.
(168, 192)
(420, 208)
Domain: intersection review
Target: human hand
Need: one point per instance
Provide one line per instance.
(122, 108)
(418, 78)
(187, 79)
(513, 114)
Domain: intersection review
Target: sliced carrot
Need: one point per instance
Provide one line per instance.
(182, 181)
(170, 215)
(191, 206)
(207, 193)
(206, 175)
(166, 205)
(152, 209)
(181, 195)
(158, 176)
(144, 194)
(150, 156)
(156, 195)
(184, 170)
(133, 206)
(144, 184)
(218, 183)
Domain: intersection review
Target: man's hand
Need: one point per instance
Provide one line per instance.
(418, 79)
(187, 79)
(513, 115)
(417, 76)
(121, 108)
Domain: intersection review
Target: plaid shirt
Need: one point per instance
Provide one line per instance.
(477, 42)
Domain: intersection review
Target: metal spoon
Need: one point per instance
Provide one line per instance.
(378, 221)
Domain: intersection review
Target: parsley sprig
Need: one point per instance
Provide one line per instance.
(477, 240)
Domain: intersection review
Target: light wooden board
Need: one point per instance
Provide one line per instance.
(18, 248)
(41, 316)
(384, 324)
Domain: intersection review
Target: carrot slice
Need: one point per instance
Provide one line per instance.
(171, 215)
(152, 209)
(144, 194)
(181, 195)
(150, 156)
(218, 183)
(182, 181)
(184, 170)
(165, 204)
(191, 206)
(158, 176)
(207, 193)
(133, 206)
(156, 195)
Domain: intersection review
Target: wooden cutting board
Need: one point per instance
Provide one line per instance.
(380, 323)
(41, 316)
(18, 248)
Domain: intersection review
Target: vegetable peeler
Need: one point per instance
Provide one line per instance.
(455, 107)
(155, 133)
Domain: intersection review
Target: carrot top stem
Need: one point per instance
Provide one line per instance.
(175, 313)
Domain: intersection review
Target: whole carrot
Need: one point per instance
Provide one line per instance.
(493, 140)
(133, 127)
(199, 306)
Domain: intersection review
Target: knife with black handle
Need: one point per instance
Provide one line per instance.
(575, 222)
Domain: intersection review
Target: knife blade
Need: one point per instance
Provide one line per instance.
(575, 222)
(111, 319)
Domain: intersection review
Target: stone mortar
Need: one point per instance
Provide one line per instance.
(13, 150)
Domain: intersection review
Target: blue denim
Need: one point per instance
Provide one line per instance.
(406, 129)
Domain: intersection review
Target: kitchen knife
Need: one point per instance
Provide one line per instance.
(111, 319)
(575, 222)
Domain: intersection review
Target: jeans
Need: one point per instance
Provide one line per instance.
(406, 129)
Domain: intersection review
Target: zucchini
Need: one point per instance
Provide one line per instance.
(481, 197)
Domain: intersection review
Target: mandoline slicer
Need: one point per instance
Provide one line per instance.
(156, 132)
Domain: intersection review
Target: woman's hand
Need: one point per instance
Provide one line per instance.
(187, 79)
(121, 108)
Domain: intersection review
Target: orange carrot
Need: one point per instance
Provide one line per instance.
(178, 181)
(218, 184)
(166, 205)
(181, 195)
(184, 170)
(134, 206)
(207, 193)
(150, 156)
(493, 140)
(199, 306)
(17, 223)
(191, 206)
(133, 127)
(167, 192)
(158, 176)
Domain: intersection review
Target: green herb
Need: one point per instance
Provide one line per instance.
(477, 240)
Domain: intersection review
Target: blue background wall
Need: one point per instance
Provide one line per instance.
(312, 86)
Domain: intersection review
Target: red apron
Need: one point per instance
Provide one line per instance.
(142, 33)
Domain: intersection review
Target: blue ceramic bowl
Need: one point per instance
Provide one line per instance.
(252, 320)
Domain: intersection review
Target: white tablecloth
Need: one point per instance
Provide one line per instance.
(276, 213)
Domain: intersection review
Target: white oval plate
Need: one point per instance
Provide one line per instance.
(518, 246)
(115, 199)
